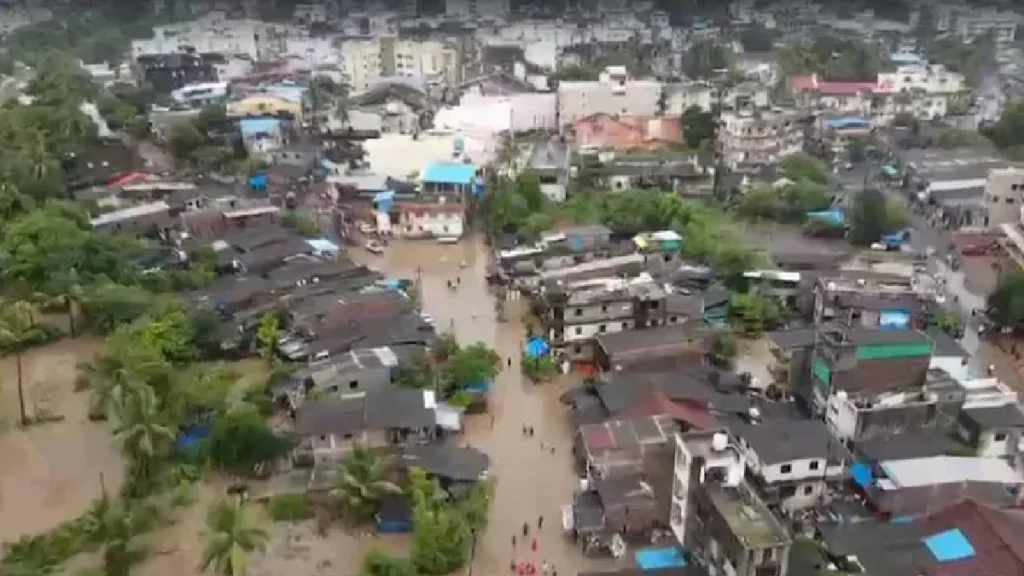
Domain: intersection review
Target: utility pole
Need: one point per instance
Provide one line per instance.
(716, 143)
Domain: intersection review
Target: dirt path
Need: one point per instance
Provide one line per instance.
(50, 473)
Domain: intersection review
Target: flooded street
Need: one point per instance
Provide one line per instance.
(50, 472)
(531, 482)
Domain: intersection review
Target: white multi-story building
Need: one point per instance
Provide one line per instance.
(464, 9)
(924, 91)
(680, 97)
(614, 93)
(751, 138)
(311, 13)
(364, 60)
(213, 33)
(975, 24)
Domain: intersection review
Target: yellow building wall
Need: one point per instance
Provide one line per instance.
(256, 106)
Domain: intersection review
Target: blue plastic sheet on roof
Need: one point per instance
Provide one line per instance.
(478, 388)
(861, 473)
(259, 182)
(190, 439)
(251, 127)
(949, 546)
(660, 558)
(450, 173)
(902, 520)
(846, 123)
(537, 347)
(384, 200)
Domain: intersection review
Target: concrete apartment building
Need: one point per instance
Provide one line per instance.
(362, 61)
(1004, 196)
(750, 138)
(680, 97)
(614, 93)
(717, 517)
(212, 34)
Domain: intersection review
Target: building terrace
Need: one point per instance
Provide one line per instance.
(747, 516)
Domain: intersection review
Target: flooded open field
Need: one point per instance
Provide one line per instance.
(50, 472)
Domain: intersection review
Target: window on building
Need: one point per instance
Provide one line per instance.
(814, 465)
(604, 308)
(579, 331)
(786, 468)
(808, 490)
(577, 312)
(602, 328)
(625, 325)
(1000, 437)
(577, 349)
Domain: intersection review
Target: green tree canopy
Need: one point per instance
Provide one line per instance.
(241, 441)
(873, 216)
(831, 59)
(707, 59)
(698, 126)
(1006, 303)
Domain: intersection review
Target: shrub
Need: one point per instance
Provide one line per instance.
(289, 508)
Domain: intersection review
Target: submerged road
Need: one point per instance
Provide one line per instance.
(531, 481)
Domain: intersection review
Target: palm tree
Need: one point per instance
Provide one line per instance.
(112, 527)
(143, 436)
(114, 379)
(17, 319)
(232, 533)
(361, 484)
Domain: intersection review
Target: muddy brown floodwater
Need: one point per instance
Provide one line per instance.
(531, 482)
(50, 473)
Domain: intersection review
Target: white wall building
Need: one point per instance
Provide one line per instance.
(214, 33)
(759, 137)
(516, 112)
(613, 94)
(701, 456)
(363, 60)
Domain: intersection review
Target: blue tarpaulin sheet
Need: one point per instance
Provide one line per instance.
(384, 200)
(478, 388)
(537, 348)
(660, 558)
(861, 473)
(259, 182)
(949, 546)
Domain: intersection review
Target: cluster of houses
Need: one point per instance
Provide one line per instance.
(875, 446)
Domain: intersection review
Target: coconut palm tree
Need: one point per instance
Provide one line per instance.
(144, 437)
(361, 484)
(17, 319)
(232, 533)
(114, 379)
(112, 527)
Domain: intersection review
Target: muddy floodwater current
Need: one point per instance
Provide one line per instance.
(531, 481)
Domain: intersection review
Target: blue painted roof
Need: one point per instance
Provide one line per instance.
(255, 126)
(450, 173)
(660, 558)
(949, 546)
(848, 122)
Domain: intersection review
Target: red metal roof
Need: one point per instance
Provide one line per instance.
(691, 413)
(994, 534)
(129, 179)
